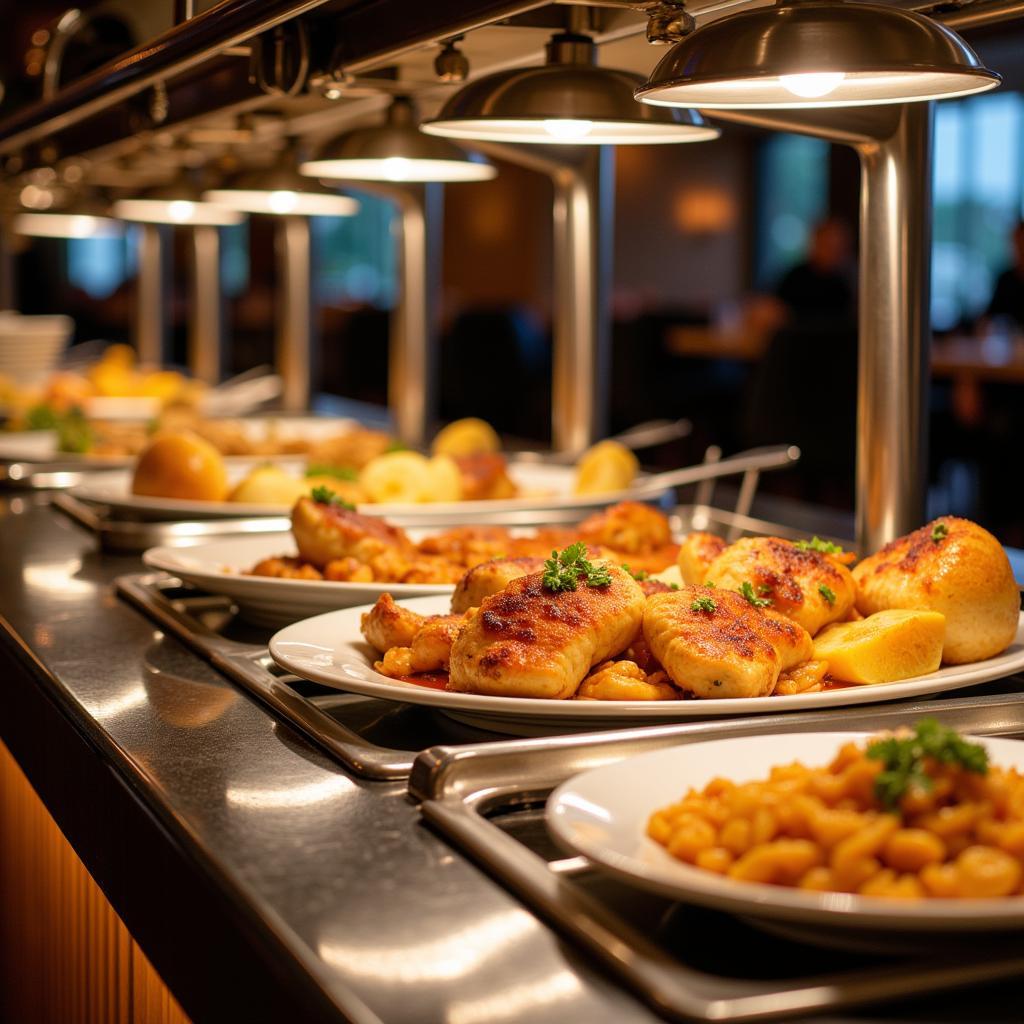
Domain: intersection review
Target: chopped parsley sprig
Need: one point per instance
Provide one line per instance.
(823, 547)
(747, 590)
(904, 759)
(827, 592)
(325, 496)
(337, 472)
(703, 604)
(564, 570)
(638, 574)
(940, 531)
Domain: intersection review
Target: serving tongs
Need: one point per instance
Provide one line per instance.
(644, 435)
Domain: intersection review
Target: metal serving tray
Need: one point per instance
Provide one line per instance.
(377, 739)
(686, 962)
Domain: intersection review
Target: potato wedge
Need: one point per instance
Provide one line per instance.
(884, 647)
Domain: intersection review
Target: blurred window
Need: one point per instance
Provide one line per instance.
(792, 197)
(354, 257)
(979, 195)
(98, 266)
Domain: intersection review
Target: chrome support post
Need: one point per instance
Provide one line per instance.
(295, 347)
(152, 301)
(206, 319)
(413, 352)
(584, 183)
(895, 329)
(894, 146)
(8, 284)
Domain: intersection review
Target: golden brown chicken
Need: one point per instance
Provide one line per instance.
(952, 566)
(696, 553)
(325, 531)
(802, 584)
(714, 643)
(388, 625)
(411, 643)
(529, 641)
(630, 528)
(489, 578)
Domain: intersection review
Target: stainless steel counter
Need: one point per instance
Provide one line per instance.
(262, 881)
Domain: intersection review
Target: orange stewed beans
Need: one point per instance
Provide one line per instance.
(825, 829)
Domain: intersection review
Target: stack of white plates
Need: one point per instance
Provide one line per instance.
(31, 346)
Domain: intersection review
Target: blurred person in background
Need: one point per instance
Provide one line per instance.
(822, 286)
(1008, 297)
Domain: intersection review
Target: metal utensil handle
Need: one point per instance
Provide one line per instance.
(249, 667)
(757, 459)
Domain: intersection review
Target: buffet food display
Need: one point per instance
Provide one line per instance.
(764, 616)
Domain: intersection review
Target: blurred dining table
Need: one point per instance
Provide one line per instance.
(966, 358)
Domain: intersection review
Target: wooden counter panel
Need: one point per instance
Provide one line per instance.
(65, 955)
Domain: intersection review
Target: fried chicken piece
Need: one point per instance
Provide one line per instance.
(285, 568)
(429, 651)
(952, 566)
(696, 553)
(714, 643)
(352, 449)
(529, 641)
(630, 528)
(490, 578)
(325, 532)
(348, 570)
(804, 585)
(468, 545)
(388, 625)
(625, 680)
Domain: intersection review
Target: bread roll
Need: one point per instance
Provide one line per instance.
(180, 465)
(954, 567)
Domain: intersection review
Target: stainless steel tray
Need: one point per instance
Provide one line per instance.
(380, 739)
(685, 962)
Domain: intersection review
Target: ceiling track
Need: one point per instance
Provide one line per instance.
(368, 34)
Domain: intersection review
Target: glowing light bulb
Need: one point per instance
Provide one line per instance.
(397, 168)
(283, 201)
(566, 129)
(181, 210)
(812, 85)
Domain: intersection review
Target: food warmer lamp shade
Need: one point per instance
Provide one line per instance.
(568, 100)
(66, 225)
(175, 204)
(396, 151)
(816, 53)
(281, 192)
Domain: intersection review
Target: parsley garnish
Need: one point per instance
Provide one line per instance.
(673, 586)
(827, 592)
(747, 591)
(709, 585)
(396, 446)
(325, 496)
(824, 547)
(940, 531)
(563, 571)
(703, 604)
(903, 759)
(638, 574)
(337, 472)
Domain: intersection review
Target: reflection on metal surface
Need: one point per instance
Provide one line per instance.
(303, 795)
(111, 707)
(58, 578)
(512, 1002)
(152, 305)
(449, 956)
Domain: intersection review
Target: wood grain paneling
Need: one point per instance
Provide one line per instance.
(65, 955)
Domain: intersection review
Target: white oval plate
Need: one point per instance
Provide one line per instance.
(550, 487)
(219, 567)
(41, 445)
(329, 649)
(602, 814)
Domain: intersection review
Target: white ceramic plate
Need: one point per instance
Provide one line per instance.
(41, 445)
(549, 487)
(329, 649)
(602, 814)
(219, 567)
